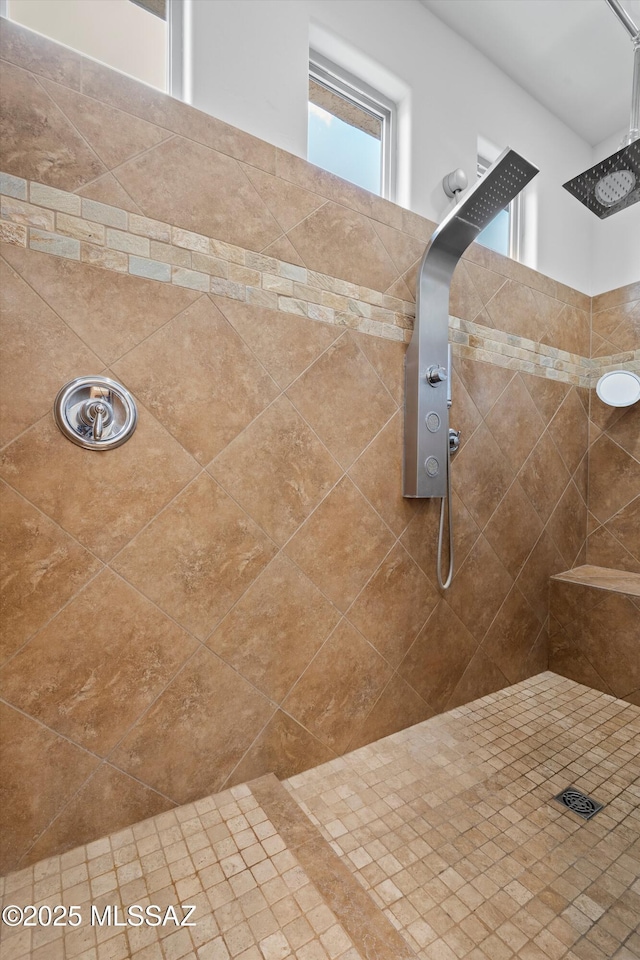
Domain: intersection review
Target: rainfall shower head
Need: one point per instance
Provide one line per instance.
(614, 183)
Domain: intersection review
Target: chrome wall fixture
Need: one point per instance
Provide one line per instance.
(427, 439)
(95, 412)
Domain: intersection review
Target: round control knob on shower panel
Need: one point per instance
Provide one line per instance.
(436, 374)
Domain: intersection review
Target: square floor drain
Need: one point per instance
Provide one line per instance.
(579, 802)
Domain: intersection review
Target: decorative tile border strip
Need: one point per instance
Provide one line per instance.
(66, 225)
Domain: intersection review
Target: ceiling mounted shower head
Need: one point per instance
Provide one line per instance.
(614, 183)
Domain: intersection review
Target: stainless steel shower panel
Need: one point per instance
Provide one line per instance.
(427, 370)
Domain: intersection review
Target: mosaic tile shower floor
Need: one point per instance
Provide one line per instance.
(440, 842)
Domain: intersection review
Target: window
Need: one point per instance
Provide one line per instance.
(504, 232)
(351, 128)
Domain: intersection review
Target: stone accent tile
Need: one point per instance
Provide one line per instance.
(197, 557)
(124, 310)
(168, 253)
(190, 278)
(152, 269)
(338, 564)
(118, 240)
(38, 142)
(104, 213)
(277, 470)
(13, 186)
(114, 497)
(343, 400)
(59, 200)
(153, 229)
(53, 244)
(17, 211)
(42, 771)
(104, 257)
(48, 567)
(79, 228)
(199, 379)
(108, 801)
(276, 628)
(91, 684)
(226, 288)
(190, 740)
(39, 355)
(13, 233)
(285, 345)
(339, 688)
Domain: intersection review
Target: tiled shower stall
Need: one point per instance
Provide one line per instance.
(241, 590)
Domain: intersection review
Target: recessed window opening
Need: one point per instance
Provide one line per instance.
(351, 128)
(504, 233)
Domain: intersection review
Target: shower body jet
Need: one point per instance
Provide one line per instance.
(427, 363)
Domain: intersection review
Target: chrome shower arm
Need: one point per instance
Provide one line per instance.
(625, 19)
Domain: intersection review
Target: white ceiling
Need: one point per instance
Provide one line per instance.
(573, 56)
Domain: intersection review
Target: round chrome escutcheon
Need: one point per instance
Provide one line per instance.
(95, 412)
(432, 421)
(432, 466)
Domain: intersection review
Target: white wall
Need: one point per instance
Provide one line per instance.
(117, 32)
(616, 248)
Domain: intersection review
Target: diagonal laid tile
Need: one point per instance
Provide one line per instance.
(276, 628)
(568, 524)
(544, 561)
(513, 529)
(197, 557)
(209, 193)
(511, 636)
(398, 707)
(284, 343)
(486, 282)
(515, 424)
(106, 189)
(41, 773)
(625, 527)
(37, 142)
(464, 300)
(617, 663)
(108, 801)
(567, 658)
(513, 309)
(547, 394)
(625, 431)
(111, 496)
(614, 478)
(283, 748)
(571, 331)
(115, 136)
(111, 311)
(543, 476)
(605, 550)
(43, 569)
(343, 400)
(378, 475)
(98, 665)
(283, 249)
(387, 359)
(479, 588)
(342, 243)
(39, 355)
(277, 470)
(339, 688)
(481, 475)
(481, 678)
(465, 416)
(421, 536)
(403, 249)
(439, 656)
(288, 203)
(394, 605)
(42, 56)
(570, 430)
(199, 379)
(195, 733)
(341, 544)
(483, 381)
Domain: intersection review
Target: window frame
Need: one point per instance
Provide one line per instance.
(516, 214)
(372, 101)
